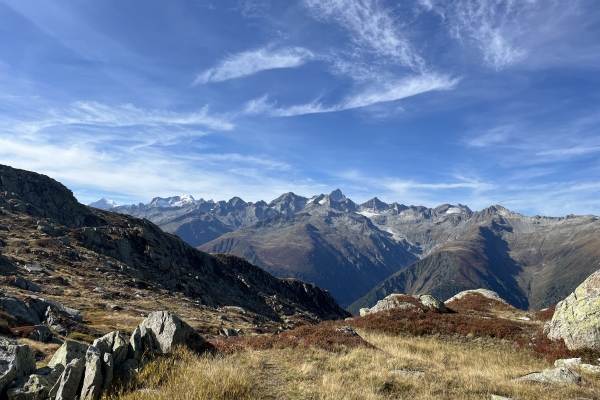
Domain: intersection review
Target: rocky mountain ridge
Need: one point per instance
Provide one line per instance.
(348, 248)
(41, 223)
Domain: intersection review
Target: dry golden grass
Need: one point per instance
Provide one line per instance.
(454, 370)
(42, 351)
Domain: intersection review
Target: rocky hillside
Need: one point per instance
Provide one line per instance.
(344, 252)
(47, 237)
(533, 262)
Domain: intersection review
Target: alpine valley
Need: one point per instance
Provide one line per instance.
(361, 253)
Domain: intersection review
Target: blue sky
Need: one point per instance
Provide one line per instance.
(422, 102)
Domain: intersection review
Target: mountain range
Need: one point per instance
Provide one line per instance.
(362, 252)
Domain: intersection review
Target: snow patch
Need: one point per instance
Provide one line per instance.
(367, 214)
(454, 210)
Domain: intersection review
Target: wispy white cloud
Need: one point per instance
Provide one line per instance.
(383, 93)
(490, 137)
(575, 151)
(372, 28)
(494, 26)
(98, 114)
(251, 62)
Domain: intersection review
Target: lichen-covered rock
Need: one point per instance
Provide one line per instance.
(568, 362)
(16, 360)
(92, 378)
(577, 318)
(432, 302)
(490, 294)
(36, 386)
(68, 383)
(165, 330)
(364, 311)
(69, 351)
(555, 376)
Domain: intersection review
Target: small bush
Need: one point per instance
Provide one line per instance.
(477, 303)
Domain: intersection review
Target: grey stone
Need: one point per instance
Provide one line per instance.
(498, 397)
(577, 317)
(41, 333)
(166, 330)
(18, 309)
(92, 378)
(26, 285)
(136, 348)
(555, 376)
(128, 370)
(68, 383)
(36, 386)
(66, 353)
(113, 343)
(16, 360)
(108, 367)
(35, 268)
(432, 302)
(40, 307)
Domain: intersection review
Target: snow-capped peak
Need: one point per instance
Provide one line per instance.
(104, 204)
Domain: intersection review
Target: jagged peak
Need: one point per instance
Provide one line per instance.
(337, 195)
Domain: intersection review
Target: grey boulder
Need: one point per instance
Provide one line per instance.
(555, 376)
(577, 317)
(165, 330)
(24, 284)
(16, 360)
(113, 343)
(36, 386)
(92, 378)
(66, 353)
(68, 383)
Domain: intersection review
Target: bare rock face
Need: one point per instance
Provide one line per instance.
(68, 383)
(66, 353)
(577, 318)
(92, 379)
(113, 343)
(16, 360)
(42, 196)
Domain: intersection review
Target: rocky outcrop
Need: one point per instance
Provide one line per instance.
(36, 311)
(79, 371)
(404, 301)
(68, 383)
(16, 360)
(490, 294)
(577, 318)
(555, 376)
(41, 196)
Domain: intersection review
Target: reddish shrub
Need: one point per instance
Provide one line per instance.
(324, 336)
(22, 331)
(422, 320)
